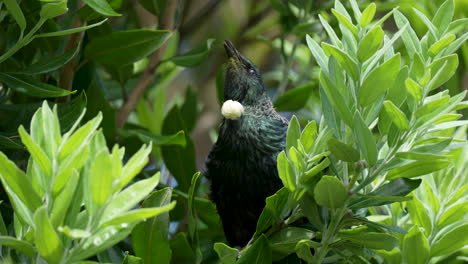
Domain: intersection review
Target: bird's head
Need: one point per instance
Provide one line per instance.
(243, 82)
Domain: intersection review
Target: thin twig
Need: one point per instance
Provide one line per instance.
(147, 76)
(67, 72)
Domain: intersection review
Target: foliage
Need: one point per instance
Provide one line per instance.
(375, 164)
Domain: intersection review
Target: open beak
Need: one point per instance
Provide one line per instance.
(231, 50)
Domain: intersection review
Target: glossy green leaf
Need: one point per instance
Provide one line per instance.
(367, 15)
(139, 215)
(18, 183)
(379, 81)
(50, 64)
(370, 43)
(129, 197)
(124, 47)
(345, 22)
(414, 89)
(409, 37)
(444, 16)
(415, 246)
(451, 241)
(226, 254)
(46, 239)
(396, 115)
(294, 99)
(149, 238)
(443, 73)
(365, 139)
(259, 253)
(102, 7)
(437, 47)
(343, 151)
(101, 178)
(195, 56)
(54, 9)
(15, 11)
(419, 215)
(30, 86)
(330, 192)
(294, 133)
(286, 172)
(136, 163)
(345, 61)
(309, 135)
(417, 168)
(372, 240)
(69, 31)
(20, 245)
(148, 137)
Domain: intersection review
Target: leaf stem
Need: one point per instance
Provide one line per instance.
(329, 235)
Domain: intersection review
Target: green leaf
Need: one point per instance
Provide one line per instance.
(453, 213)
(285, 240)
(195, 56)
(303, 250)
(19, 245)
(102, 7)
(317, 52)
(129, 259)
(419, 156)
(431, 104)
(175, 155)
(415, 246)
(271, 214)
(345, 61)
(410, 39)
(30, 86)
(74, 233)
(136, 163)
(310, 174)
(336, 98)
(138, 215)
(149, 238)
(101, 177)
(396, 115)
(50, 64)
(38, 155)
(454, 46)
(148, 137)
(294, 132)
(54, 9)
(427, 22)
(124, 47)
(345, 22)
(308, 136)
(417, 168)
(437, 47)
(444, 68)
(330, 192)
(450, 241)
(379, 81)
(154, 6)
(330, 32)
(69, 31)
(259, 253)
(343, 151)
(419, 215)
(18, 183)
(444, 16)
(397, 188)
(372, 240)
(370, 43)
(226, 254)
(397, 92)
(414, 89)
(64, 199)
(286, 172)
(294, 99)
(15, 11)
(128, 198)
(46, 239)
(367, 15)
(365, 139)
(192, 219)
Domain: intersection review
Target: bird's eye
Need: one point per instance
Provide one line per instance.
(251, 71)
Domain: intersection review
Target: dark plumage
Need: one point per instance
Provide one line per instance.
(242, 163)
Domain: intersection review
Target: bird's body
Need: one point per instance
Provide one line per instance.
(242, 163)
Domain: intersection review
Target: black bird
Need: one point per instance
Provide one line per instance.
(242, 163)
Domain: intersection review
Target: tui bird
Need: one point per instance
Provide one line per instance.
(242, 163)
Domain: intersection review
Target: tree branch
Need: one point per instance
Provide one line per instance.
(147, 76)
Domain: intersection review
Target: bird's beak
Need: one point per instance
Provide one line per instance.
(231, 51)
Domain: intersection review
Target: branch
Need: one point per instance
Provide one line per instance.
(148, 75)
